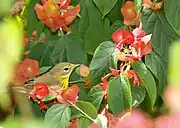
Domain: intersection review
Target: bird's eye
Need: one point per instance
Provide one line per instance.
(66, 69)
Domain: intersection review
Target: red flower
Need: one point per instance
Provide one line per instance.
(114, 72)
(29, 68)
(121, 35)
(71, 93)
(131, 46)
(41, 90)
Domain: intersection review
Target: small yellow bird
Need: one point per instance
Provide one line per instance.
(58, 75)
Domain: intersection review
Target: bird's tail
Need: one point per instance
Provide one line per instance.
(25, 89)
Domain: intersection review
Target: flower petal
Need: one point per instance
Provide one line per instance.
(146, 38)
(29, 68)
(41, 14)
(71, 93)
(41, 90)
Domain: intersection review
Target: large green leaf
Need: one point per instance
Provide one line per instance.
(147, 81)
(33, 22)
(162, 33)
(115, 13)
(91, 26)
(58, 116)
(105, 6)
(172, 11)
(119, 95)
(96, 96)
(68, 48)
(159, 68)
(102, 60)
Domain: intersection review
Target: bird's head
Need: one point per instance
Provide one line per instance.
(63, 70)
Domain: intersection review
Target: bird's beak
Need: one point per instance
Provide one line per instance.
(75, 65)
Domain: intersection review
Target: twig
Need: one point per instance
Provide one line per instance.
(94, 121)
(76, 81)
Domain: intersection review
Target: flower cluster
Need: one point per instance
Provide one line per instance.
(132, 46)
(57, 14)
(136, 118)
(42, 93)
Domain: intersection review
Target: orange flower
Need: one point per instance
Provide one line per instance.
(128, 10)
(56, 14)
(29, 68)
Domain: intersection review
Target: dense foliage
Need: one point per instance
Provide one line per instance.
(122, 48)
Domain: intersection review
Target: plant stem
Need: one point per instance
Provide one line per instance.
(94, 121)
(76, 81)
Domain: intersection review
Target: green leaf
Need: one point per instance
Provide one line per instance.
(147, 81)
(86, 107)
(49, 34)
(162, 33)
(69, 48)
(83, 122)
(44, 69)
(138, 95)
(58, 116)
(49, 97)
(174, 69)
(91, 26)
(105, 6)
(29, 46)
(138, 5)
(172, 11)
(119, 95)
(33, 22)
(96, 96)
(159, 68)
(101, 61)
(115, 13)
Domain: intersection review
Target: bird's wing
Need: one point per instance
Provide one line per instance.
(46, 78)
